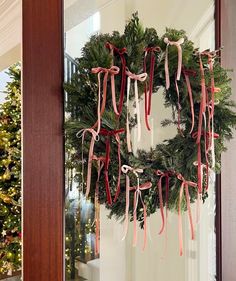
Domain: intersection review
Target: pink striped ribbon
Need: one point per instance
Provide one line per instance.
(114, 70)
(178, 46)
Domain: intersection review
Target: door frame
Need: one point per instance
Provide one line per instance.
(43, 141)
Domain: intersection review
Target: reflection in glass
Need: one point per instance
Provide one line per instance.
(118, 260)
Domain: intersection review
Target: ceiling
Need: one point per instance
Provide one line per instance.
(10, 30)
(168, 11)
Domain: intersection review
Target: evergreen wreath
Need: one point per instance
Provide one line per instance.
(174, 161)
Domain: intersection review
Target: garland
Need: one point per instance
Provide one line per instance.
(134, 65)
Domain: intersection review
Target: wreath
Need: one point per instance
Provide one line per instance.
(114, 72)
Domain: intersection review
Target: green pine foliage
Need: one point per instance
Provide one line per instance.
(10, 175)
(177, 154)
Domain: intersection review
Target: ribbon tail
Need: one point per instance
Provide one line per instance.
(189, 211)
(122, 91)
(146, 110)
(126, 208)
(179, 62)
(167, 76)
(107, 160)
(128, 137)
(191, 100)
(144, 225)
(89, 171)
(135, 219)
(119, 167)
(179, 107)
(161, 205)
(151, 82)
(180, 226)
(137, 109)
(113, 93)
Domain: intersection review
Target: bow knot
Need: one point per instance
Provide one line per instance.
(185, 182)
(152, 49)
(178, 46)
(126, 169)
(138, 77)
(111, 47)
(176, 43)
(112, 70)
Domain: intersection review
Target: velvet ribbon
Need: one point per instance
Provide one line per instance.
(178, 46)
(162, 175)
(137, 195)
(136, 77)
(109, 134)
(184, 187)
(114, 70)
(187, 73)
(121, 52)
(149, 87)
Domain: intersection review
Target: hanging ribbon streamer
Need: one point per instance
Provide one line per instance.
(200, 119)
(121, 52)
(94, 138)
(162, 175)
(100, 163)
(179, 107)
(178, 46)
(136, 77)
(137, 195)
(109, 134)
(211, 103)
(149, 88)
(184, 187)
(188, 73)
(114, 70)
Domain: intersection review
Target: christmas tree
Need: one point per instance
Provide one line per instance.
(10, 175)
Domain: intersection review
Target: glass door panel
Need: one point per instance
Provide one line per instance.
(94, 244)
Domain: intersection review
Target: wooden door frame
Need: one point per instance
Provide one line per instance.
(218, 215)
(43, 142)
